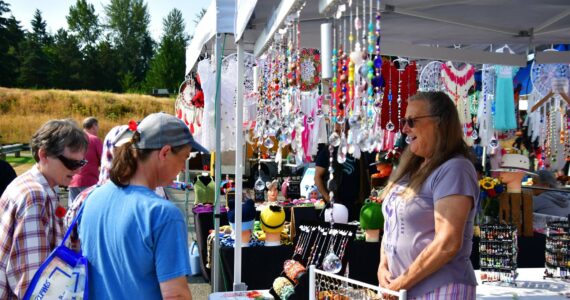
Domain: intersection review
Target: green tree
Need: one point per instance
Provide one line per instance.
(11, 35)
(39, 31)
(167, 66)
(128, 23)
(4, 8)
(84, 23)
(66, 61)
(35, 64)
(105, 68)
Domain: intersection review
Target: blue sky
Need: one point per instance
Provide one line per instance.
(54, 12)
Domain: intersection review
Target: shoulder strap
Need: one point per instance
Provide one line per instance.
(73, 224)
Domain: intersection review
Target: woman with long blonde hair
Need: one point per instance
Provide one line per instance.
(429, 206)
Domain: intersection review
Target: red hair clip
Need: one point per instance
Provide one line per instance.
(133, 125)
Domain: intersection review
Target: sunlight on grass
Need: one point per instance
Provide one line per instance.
(14, 161)
(23, 111)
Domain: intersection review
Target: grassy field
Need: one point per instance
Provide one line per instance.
(23, 111)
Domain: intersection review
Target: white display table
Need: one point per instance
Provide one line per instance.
(247, 295)
(529, 285)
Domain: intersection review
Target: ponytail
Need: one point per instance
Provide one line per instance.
(125, 161)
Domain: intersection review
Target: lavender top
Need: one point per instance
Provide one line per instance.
(409, 225)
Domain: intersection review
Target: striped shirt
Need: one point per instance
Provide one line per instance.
(451, 291)
(29, 231)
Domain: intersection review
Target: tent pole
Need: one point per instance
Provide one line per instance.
(216, 268)
(238, 285)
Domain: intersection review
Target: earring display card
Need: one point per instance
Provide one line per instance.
(498, 253)
(557, 250)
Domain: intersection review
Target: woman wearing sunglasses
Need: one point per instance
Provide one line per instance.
(135, 241)
(30, 228)
(429, 206)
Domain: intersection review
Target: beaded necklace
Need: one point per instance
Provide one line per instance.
(566, 141)
(351, 61)
(390, 125)
(370, 76)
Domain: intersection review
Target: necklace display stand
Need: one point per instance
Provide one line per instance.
(321, 244)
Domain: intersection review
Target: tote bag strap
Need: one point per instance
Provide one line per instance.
(72, 225)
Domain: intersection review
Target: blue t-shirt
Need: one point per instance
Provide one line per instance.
(133, 240)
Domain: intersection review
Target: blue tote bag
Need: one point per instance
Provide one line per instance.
(63, 275)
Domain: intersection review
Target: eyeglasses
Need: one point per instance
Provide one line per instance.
(412, 121)
(72, 164)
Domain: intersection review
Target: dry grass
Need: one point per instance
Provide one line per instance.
(22, 111)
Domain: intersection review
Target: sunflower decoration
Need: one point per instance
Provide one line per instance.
(488, 183)
(490, 189)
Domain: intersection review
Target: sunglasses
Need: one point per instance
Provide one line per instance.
(412, 121)
(72, 164)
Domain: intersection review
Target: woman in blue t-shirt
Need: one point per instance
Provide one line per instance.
(135, 241)
(429, 206)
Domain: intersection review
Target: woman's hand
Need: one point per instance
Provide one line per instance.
(395, 285)
(384, 276)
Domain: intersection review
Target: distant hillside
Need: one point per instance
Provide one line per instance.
(23, 111)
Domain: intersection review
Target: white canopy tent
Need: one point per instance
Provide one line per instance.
(458, 30)
(224, 17)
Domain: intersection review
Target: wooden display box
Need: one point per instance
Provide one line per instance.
(516, 208)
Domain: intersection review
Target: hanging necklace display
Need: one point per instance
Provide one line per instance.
(334, 138)
(365, 139)
(378, 82)
(402, 64)
(566, 128)
(341, 116)
(390, 125)
(331, 262)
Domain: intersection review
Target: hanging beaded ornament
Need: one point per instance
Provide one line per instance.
(310, 67)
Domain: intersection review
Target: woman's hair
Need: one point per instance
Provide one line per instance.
(126, 158)
(55, 135)
(448, 141)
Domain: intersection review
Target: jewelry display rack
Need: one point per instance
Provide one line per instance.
(322, 245)
(557, 251)
(498, 253)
